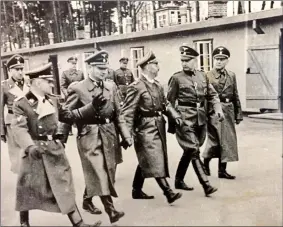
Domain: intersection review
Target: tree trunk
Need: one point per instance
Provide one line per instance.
(272, 4)
(23, 19)
(109, 22)
(102, 19)
(263, 5)
(120, 19)
(190, 12)
(134, 18)
(72, 26)
(15, 26)
(240, 7)
(6, 22)
(62, 35)
(154, 14)
(250, 6)
(57, 35)
(197, 11)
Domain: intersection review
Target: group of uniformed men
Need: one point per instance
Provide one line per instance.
(110, 114)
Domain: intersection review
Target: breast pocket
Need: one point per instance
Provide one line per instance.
(146, 100)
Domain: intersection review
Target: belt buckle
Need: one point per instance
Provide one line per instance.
(198, 104)
(49, 137)
(226, 100)
(107, 120)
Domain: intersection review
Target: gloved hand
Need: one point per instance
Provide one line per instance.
(99, 101)
(220, 116)
(126, 143)
(34, 152)
(3, 138)
(237, 121)
(63, 138)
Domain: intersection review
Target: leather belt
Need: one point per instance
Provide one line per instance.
(191, 104)
(47, 138)
(100, 121)
(150, 113)
(225, 100)
(10, 112)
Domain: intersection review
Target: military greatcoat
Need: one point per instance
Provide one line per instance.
(142, 112)
(222, 138)
(69, 76)
(189, 92)
(9, 92)
(47, 183)
(98, 144)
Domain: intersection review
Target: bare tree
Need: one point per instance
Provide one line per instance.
(72, 32)
(56, 22)
(263, 5)
(15, 25)
(271, 4)
(197, 11)
(120, 19)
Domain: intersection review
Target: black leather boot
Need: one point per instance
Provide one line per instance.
(206, 168)
(76, 219)
(24, 218)
(198, 167)
(113, 214)
(170, 195)
(181, 172)
(88, 205)
(138, 181)
(222, 171)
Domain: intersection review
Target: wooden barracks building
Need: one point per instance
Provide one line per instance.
(255, 41)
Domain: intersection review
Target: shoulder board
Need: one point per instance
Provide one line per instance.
(177, 72)
(230, 73)
(18, 98)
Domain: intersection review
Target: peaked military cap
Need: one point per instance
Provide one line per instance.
(16, 61)
(72, 59)
(221, 52)
(187, 52)
(149, 57)
(43, 72)
(124, 59)
(99, 59)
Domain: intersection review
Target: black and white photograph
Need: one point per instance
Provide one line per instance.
(141, 113)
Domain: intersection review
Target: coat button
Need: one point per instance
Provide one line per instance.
(41, 143)
(40, 134)
(34, 110)
(39, 126)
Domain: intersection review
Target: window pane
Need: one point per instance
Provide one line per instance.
(201, 61)
(201, 48)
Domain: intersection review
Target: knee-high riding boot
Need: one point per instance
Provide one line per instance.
(77, 221)
(113, 214)
(168, 192)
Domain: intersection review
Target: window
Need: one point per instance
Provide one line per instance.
(162, 20)
(85, 56)
(136, 54)
(205, 54)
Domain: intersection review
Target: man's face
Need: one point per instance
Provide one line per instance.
(188, 64)
(72, 65)
(153, 68)
(17, 73)
(220, 62)
(45, 85)
(123, 64)
(97, 73)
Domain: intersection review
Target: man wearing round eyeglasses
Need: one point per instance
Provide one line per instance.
(12, 88)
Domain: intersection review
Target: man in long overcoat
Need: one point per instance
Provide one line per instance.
(222, 138)
(12, 88)
(188, 92)
(142, 113)
(98, 142)
(45, 179)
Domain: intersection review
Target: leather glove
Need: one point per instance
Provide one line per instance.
(34, 152)
(3, 138)
(63, 138)
(220, 116)
(179, 122)
(126, 143)
(99, 101)
(237, 121)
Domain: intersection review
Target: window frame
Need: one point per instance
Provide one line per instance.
(197, 47)
(135, 70)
